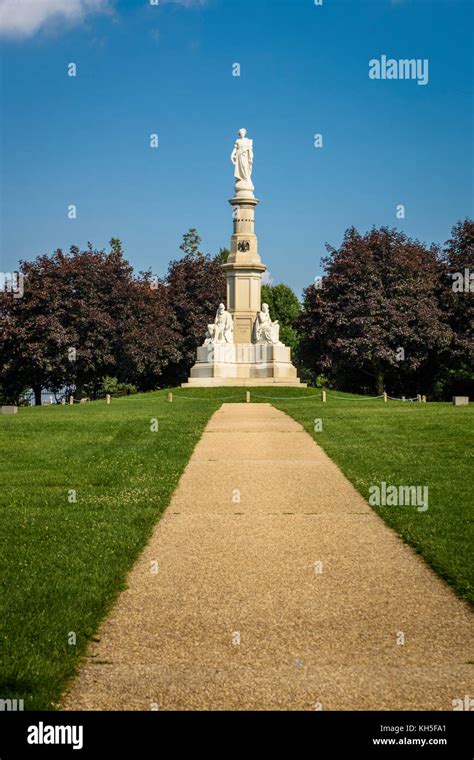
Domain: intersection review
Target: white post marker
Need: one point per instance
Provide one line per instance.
(107, 398)
(247, 397)
(423, 398)
(385, 397)
(71, 400)
(170, 397)
(418, 398)
(323, 396)
(9, 409)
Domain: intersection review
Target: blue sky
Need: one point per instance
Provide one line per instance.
(167, 69)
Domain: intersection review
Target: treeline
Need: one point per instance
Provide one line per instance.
(84, 317)
(389, 314)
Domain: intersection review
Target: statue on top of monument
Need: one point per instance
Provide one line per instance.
(264, 330)
(222, 329)
(242, 158)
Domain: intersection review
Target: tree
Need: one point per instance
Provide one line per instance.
(100, 308)
(34, 336)
(191, 243)
(285, 307)
(150, 338)
(223, 255)
(457, 300)
(376, 315)
(83, 316)
(196, 284)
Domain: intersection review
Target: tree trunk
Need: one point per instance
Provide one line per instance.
(37, 393)
(379, 383)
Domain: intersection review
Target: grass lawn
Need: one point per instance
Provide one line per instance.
(63, 563)
(404, 444)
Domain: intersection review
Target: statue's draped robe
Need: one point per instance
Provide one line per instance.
(221, 331)
(226, 327)
(243, 150)
(264, 330)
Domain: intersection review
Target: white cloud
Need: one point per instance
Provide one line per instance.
(267, 278)
(23, 18)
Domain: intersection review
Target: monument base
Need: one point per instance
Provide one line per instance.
(243, 364)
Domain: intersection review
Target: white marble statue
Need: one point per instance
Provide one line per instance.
(242, 158)
(222, 330)
(264, 330)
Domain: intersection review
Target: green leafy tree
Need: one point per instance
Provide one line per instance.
(191, 243)
(285, 307)
(110, 385)
(223, 255)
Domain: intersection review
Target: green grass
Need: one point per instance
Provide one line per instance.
(63, 564)
(404, 443)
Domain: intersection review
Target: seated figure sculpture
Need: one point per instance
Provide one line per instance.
(264, 330)
(222, 330)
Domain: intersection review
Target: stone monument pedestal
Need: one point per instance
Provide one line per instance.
(243, 364)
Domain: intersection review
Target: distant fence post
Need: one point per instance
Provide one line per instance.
(403, 398)
(385, 397)
(418, 398)
(247, 397)
(107, 398)
(71, 400)
(63, 401)
(423, 399)
(170, 397)
(323, 396)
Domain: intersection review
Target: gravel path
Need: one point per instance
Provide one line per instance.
(269, 583)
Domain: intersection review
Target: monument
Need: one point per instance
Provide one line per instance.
(242, 346)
